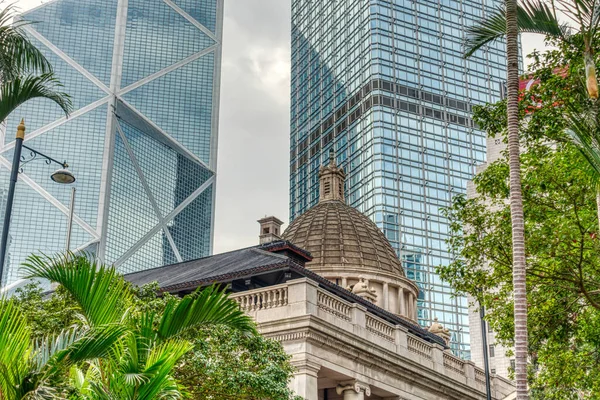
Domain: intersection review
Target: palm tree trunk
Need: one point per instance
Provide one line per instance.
(516, 200)
(590, 69)
(598, 208)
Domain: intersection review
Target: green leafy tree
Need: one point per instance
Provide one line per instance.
(228, 365)
(580, 30)
(538, 16)
(141, 363)
(35, 369)
(224, 363)
(25, 73)
(563, 268)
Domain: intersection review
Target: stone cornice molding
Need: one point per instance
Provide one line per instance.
(361, 351)
(305, 366)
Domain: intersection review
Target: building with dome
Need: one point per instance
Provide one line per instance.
(349, 249)
(331, 289)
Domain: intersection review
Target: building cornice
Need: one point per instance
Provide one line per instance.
(403, 368)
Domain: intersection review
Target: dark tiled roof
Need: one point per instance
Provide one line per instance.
(209, 269)
(287, 245)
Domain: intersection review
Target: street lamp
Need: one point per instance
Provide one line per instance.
(62, 176)
(486, 361)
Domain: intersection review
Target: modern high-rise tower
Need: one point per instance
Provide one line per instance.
(144, 79)
(384, 84)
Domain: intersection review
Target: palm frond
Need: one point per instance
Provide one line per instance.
(161, 361)
(47, 347)
(18, 56)
(206, 306)
(17, 91)
(15, 348)
(82, 381)
(77, 346)
(15, 334)
(584, 13)
(533, 16)
(585, 134)
(99, 291)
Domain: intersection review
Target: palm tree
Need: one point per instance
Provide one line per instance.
(140, 363)
(34, 370)
(540, 17)
(505, 21)
(25, 73)
(516, 200)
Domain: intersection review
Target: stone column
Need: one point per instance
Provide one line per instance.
(385, 301)
(411, 305)
(304, 383)
(353, 390)
(401, 303)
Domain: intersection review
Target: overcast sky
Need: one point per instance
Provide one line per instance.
(254, 121)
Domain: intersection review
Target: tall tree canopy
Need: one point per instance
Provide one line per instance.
(562, 248)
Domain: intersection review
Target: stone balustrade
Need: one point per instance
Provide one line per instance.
(333, 305)
(380, 328)
(262, 299)
(420, 347)
(303, 297)
(454, 364)
(480, 375)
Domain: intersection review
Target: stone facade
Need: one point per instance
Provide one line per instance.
(343, 351)
(335, 295)
(340, 349)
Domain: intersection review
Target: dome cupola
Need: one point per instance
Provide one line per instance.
(349, 249)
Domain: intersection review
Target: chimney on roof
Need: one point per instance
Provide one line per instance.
(270, 229)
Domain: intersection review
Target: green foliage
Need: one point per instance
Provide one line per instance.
(561, 226)
(25, 73)
(46, 316)
(173, 347)
(226, 364)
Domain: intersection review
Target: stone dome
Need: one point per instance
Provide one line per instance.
(337, 234)
(349, 250)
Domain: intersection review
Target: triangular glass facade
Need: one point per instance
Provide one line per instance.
(187, 122)
(142, 77)
(205, 12)
(149, 48)
(84, 30)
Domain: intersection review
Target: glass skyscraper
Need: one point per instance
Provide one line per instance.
(384, 83)
(144, 79)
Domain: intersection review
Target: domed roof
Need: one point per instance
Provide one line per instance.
(337, 234)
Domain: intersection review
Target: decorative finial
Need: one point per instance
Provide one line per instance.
(21, 130)
(331, 179)
(438, 329)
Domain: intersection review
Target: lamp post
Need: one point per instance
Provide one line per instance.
(62, 176)
(486, 362)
